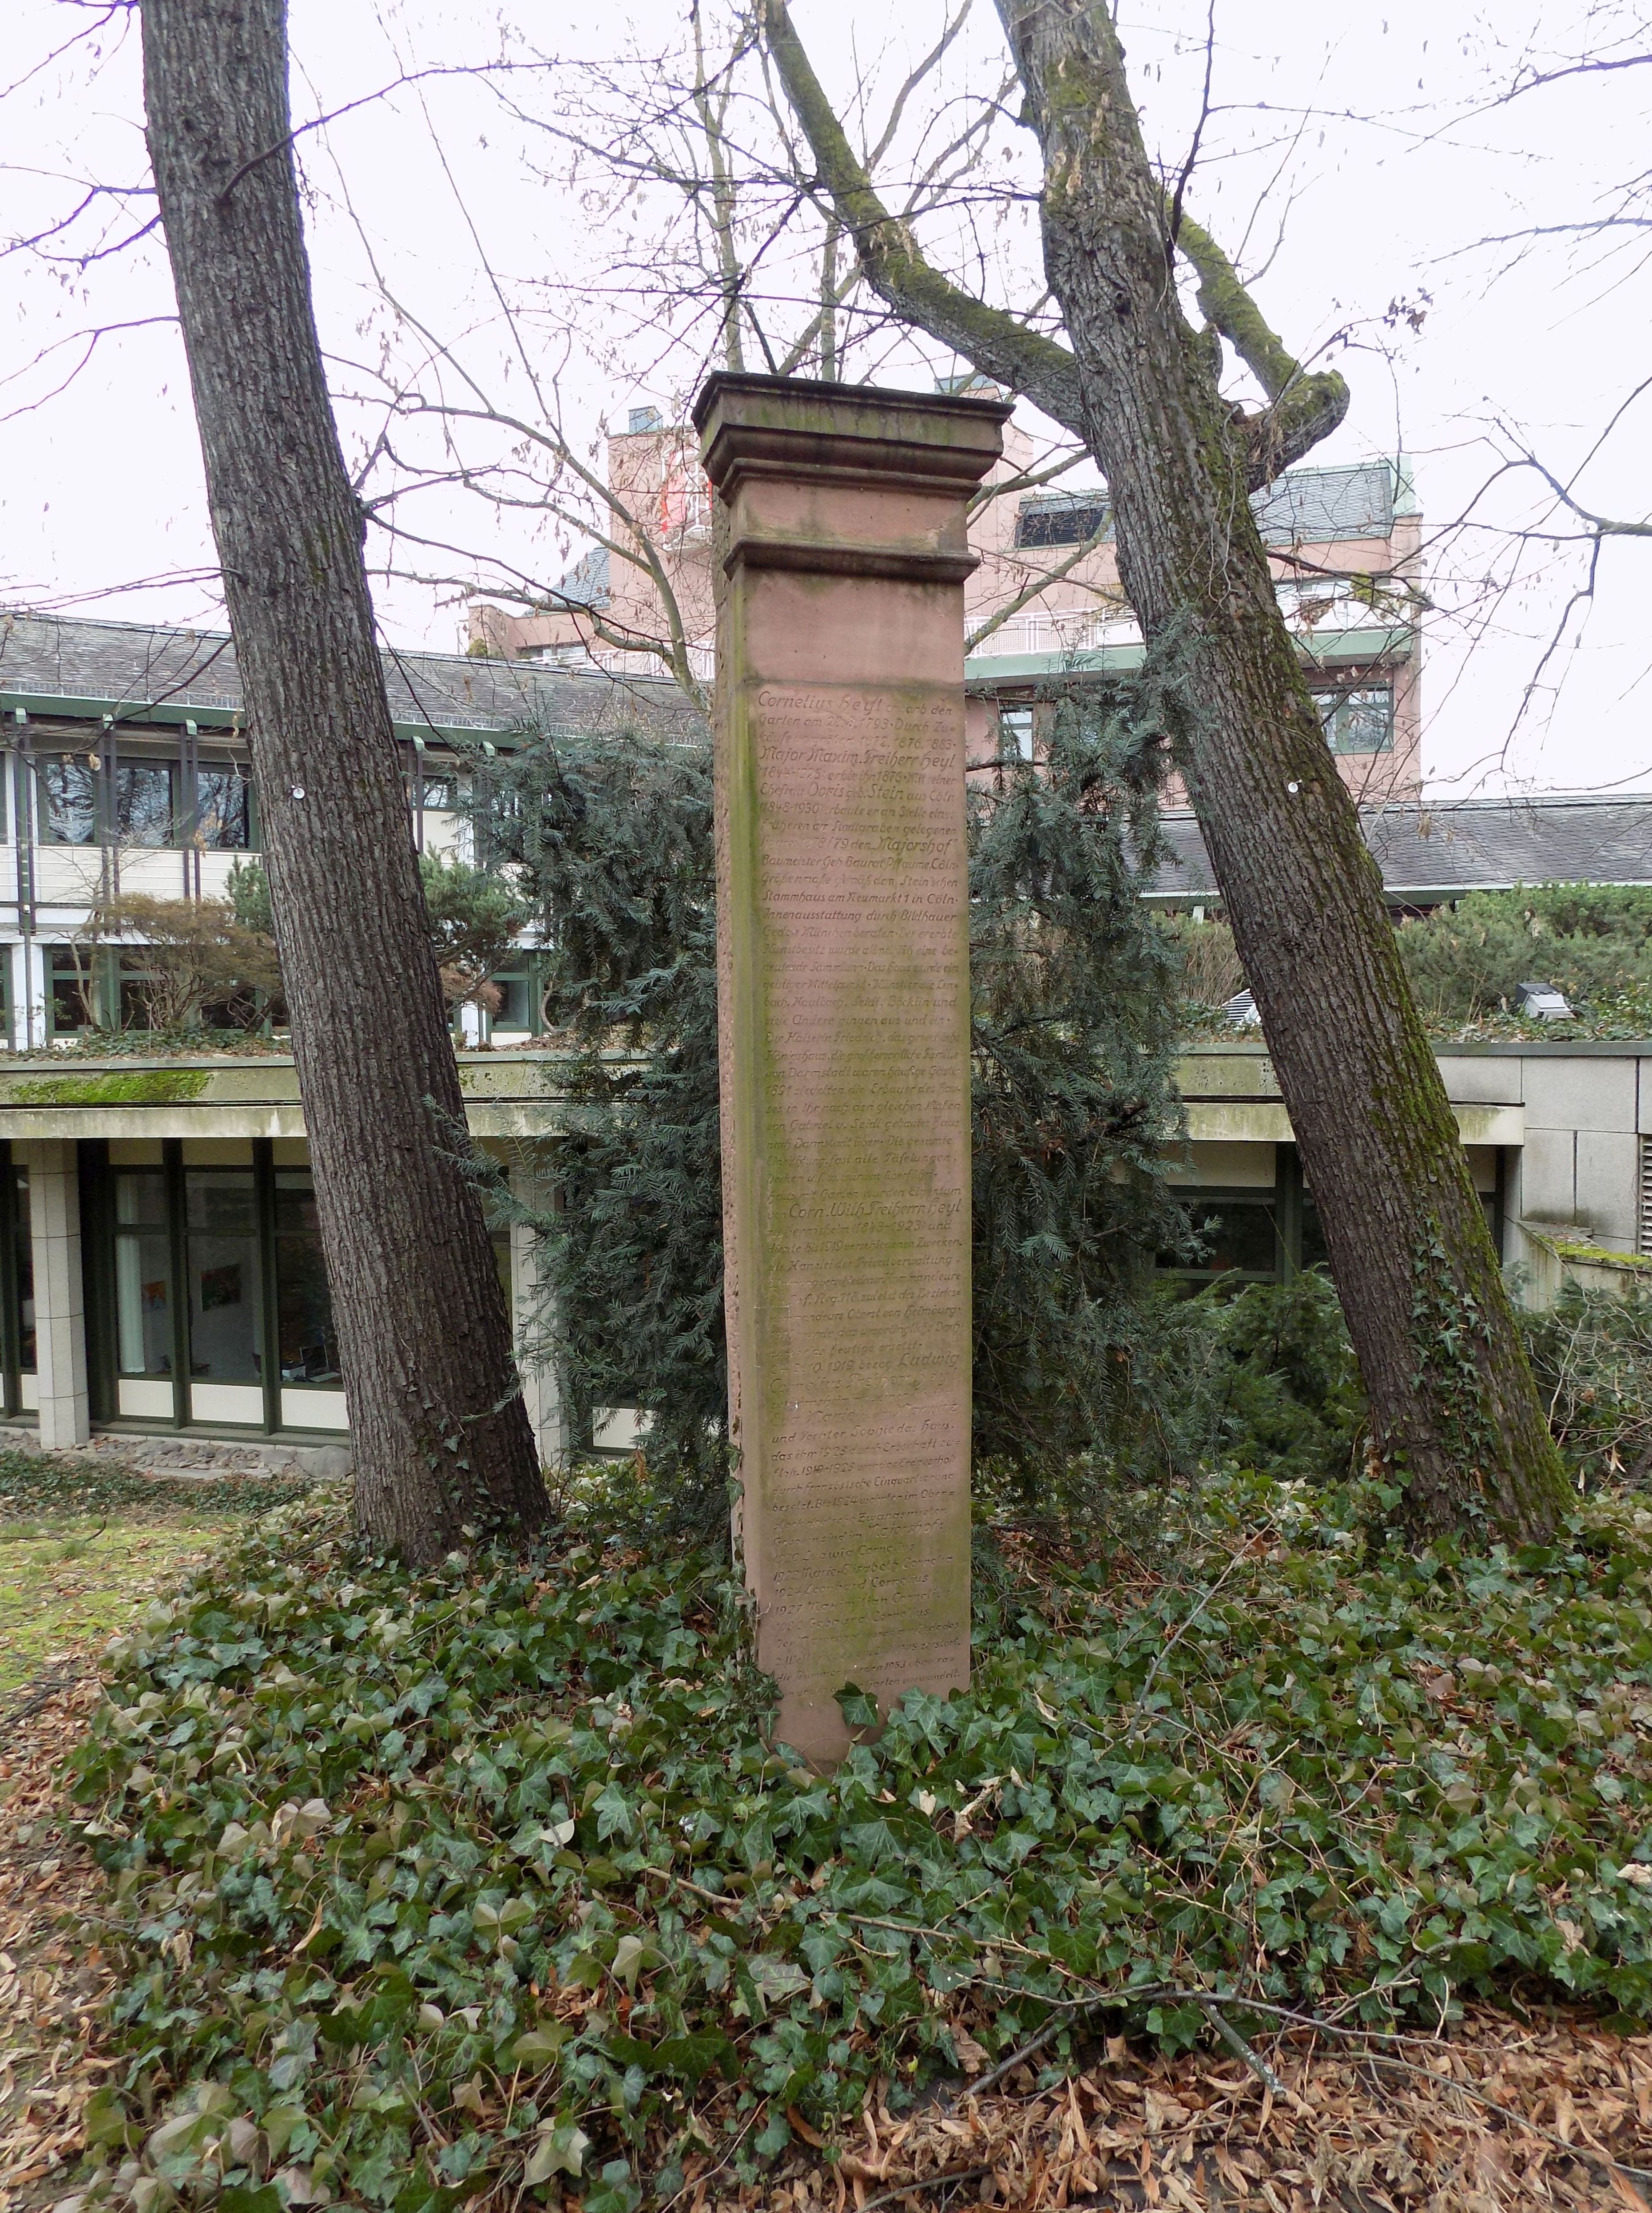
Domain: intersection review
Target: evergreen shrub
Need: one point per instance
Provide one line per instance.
(1593, 941)
(1074, 1106)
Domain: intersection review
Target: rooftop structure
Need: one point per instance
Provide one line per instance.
(1430, 854)
(1043, 607)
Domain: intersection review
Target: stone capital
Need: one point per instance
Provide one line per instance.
(845, 479)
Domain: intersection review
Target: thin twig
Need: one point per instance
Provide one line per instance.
(1252, 2058)
(928, 2182)
(711, 1897)
(1036, 2043)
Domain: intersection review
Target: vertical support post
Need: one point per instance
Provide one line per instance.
(10, 1304)
(270, 1347)
(59, 1292)
(35, 1021)
(171, 1154)
(535, 1189)
(843, 998)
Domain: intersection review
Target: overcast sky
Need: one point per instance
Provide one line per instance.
(1363, 161)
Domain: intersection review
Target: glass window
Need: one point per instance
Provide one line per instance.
(516, 1009)
(142, 1272)
(1015, 733)
(68, 786)
(225, 1291)
(71, 988)
(1314, 1252)
(223, 817)
(440, 792)
(25, 1256)
(1237, 1234)
(1360, 721)
(1060, 518)
(133, 981)
(145, 802)
(309, 1352)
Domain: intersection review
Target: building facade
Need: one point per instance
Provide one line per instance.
(159, 1268)
(1043, 607)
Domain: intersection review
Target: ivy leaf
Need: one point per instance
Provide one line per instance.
(538, 2047)
(858, 1710)
(561, 2149)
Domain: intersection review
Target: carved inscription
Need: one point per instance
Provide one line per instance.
(854, 1398)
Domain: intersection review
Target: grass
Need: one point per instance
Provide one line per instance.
(84, 1546)
(82, 1581)
(466, 1886)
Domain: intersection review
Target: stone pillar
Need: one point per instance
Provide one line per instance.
(843, 993)
(59, 1291)
(537, 1190)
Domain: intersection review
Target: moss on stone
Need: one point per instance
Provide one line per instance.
(142, 1087)
(1602, 1256)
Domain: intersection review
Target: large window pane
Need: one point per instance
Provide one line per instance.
(72, 992)
(225, 1300)
(1237, 1234)
(309, 1352)
(25, 1353)
(221, 817)
(517, 1004)
(142, 1273)
(1358, 722)
(68, 787)
(145, 802)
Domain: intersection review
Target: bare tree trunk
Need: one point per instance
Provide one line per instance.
(1454, 1408)
(441, 1435)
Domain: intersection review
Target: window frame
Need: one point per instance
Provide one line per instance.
(1331, 700)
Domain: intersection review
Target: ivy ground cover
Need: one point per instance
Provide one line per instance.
(443, 1887)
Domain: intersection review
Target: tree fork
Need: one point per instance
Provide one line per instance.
(442, 1439)
(1454, 1409)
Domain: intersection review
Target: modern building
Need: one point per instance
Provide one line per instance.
(124, 770)
(160, 1269)
(1043, 607)
(1430, 854)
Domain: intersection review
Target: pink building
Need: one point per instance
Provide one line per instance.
(1043, 607)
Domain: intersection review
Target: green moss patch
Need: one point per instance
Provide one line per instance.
(142, 1087)
(83, 1582)
(1602, 1256)
(442, 1887)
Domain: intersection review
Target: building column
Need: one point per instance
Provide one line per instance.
(59, 1291)
(33, 1027)
(534, 1189)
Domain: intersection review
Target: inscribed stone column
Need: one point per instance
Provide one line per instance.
(843, 994)
(59, 1292)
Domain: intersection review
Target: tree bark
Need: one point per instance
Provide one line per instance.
(441, 1435)
(1453, 1411)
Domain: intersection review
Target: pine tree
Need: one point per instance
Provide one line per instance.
(1073, 1006)
(1073, 995)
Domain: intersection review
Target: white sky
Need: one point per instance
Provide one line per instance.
(1343, 150)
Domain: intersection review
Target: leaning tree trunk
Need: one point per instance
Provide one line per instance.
(1454, 1409)
(441, 1434)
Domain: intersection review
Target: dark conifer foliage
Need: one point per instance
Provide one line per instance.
(612, 841)
(1073, 1012)
(1073, 993)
